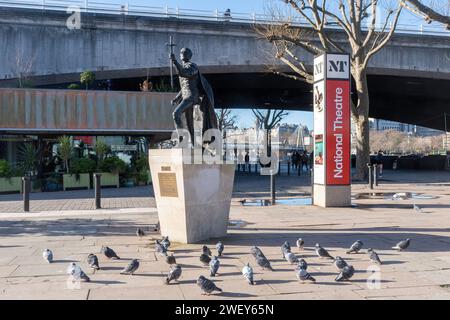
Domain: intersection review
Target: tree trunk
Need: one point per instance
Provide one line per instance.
(361, 119)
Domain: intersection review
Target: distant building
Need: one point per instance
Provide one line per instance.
(381, 125)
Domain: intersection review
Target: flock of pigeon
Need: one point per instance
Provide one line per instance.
(206, 285)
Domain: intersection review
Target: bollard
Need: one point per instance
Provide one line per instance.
(98, 190)
(370, 176)
(299, 170)
(289, 168)
(26, 186)
(375, 174)
(272, 188)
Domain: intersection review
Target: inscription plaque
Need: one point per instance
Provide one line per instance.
(168, 184)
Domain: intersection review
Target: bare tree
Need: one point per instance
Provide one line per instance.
(225, 119)
(363, 38)
(23, 68)
(269, 120)
(429, 12)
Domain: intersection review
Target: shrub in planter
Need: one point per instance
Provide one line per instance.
(113, 165)
(5, 169)
(82, 166)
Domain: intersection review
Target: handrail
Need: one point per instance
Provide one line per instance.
(91, 6)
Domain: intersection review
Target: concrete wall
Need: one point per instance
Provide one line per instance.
(125, 46)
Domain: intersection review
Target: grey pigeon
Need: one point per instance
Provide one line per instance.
(346, 273)
(174, 273)
(247, 272)
(285, 248)
(109, 253)
(92, 261)
(300, 244)
(214, 265)
(165, 243)
(291, 258)
(417, 209)
(355, 247)
(402, 245)
(140, 233)
(160, 249)
(171, 259)
(301, 265)
(304, 276)
(340, 263)
(205, 259)
(219, 247)
(322, 253)
(255, 251)
(263, 263)
(373, 256)
(207, 286)
(206, 250)
(131, 267)
(77, 273)
(47, 255)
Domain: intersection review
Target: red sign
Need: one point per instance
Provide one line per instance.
(86, 139)
(338, 132)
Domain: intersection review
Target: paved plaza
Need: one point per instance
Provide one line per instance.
(421, 272)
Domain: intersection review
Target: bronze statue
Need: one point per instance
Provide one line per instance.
(195, 90)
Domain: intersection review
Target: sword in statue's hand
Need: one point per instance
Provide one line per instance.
(171, 45)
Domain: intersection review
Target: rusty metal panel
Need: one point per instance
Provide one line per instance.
(87, 112)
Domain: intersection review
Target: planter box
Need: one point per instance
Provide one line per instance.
(110, 179)
(70, 181)
(13, 184)
(149, 181)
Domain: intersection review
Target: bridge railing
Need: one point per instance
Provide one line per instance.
(125, 8)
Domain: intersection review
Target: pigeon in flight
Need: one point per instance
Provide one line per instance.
(77, 273)
(174, 273)
(373, 256)
(214, 265)
(300, 244)
(340, 263)
(109, 253)
(255, 251)
(140, 233)
(206, 250)
(165, 243)
(131, 267)
(47, 255)
(263, 263)
(417, 208)
(160, 249)
(219, 247)
(205, 259)
(304, 276)
(171, 259)
(301, 265)
(291, 258)
(346, 273)
(247, 272)
(322, 253)
(207, 286)
(355, 247)
(402, 245)
(92, 261)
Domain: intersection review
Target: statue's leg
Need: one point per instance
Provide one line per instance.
(178, 113)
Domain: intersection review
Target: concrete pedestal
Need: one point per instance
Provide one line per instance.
(193, 200)
(332, 196)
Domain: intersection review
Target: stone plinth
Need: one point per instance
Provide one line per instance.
(332, 196)
(193, 200)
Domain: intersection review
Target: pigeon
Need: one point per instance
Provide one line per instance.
(402, 245)
(77, 273)
(417, 208)
(373, 256)
(207, 286)
(322, 253)
(48, 255)
(247, 272)
(304, 276)
(206, 250)
(300, 244)
(160, 249)
(301, 265)
(131, 267)
(214, 265)
(109, 253)
(92, 261)
(205, 259)
(165, 243)
(171, 259)
(219, 247)
(156, 227)
(346, 273)
(285, 248)
(291, 258)
(355, 247)
(263, 263)
(140, 233)
(340, 263)
(255, 251)
(174, 273)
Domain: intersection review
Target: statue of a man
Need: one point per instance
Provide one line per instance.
(195, 90)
